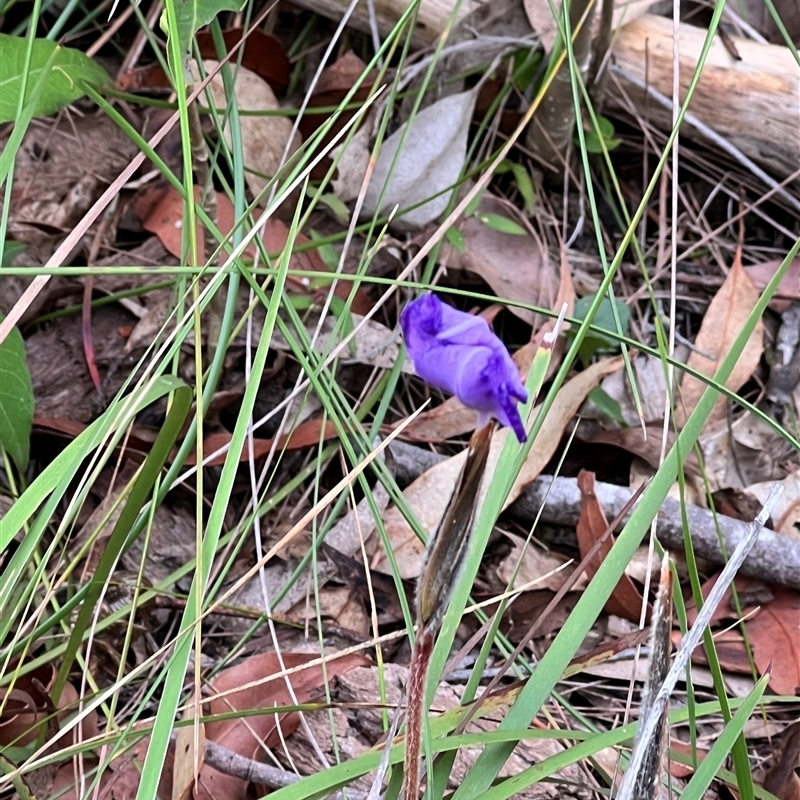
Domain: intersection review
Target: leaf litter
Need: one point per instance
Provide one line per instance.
(353, 592)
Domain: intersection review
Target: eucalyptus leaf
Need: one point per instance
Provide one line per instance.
(63, 84)
(420, 163)
(16, 400)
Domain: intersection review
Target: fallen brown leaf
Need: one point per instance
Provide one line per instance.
(517, 267)
(788, 288)
(243, 688)
(626, 600)
(265, 139)
(721, 325)
(781, 778)
(261, 53)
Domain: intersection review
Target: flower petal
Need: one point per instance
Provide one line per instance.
(459, 353)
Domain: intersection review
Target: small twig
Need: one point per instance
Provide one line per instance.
(248, 769)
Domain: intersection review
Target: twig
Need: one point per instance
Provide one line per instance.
(230, 763)
(774, 557)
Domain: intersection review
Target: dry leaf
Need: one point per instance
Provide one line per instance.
(190, 751)
(428, 494)
(788, 288)
(739, 454)
(781, 779)
(264, 139)
(786, 511)
(625, 600)
(352, 166)
(774, 634)
(721, 325)
(652, 387)
(517, 267)
(525, 564)
(246, 736)
(375, 344)
(432, 149)
(773, 631)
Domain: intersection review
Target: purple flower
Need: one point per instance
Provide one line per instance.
(459, 353)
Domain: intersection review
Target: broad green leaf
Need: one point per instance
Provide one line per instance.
(608, 405)
(63, 85)
(16, 399)
(193, 15)
(501, 224)
(595, 341)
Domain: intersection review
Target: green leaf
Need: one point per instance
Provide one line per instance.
(192, 15)
(16, 400)
(595, 341)
(596, 137)
(68, 71)
(607, 404)
(502, 224)
(523, 180)
(604, 320)
(337, 207)
(456, 239)
(473, 204)
(11, 250)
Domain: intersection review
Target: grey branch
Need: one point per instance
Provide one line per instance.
(774, 558)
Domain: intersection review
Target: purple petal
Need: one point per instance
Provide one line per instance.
(459, 353)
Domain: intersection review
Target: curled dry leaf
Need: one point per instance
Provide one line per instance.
(721, 325)
(425, 495)
(626, 600)
(265, 139)
(420, 161)
(517, 267)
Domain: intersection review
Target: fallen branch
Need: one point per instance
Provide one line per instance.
(753, 104)
(774, 558)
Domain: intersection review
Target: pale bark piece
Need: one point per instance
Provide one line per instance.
(754, 103)
(541, 18)
(264, 139)
(722, 323)
(428, 495)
